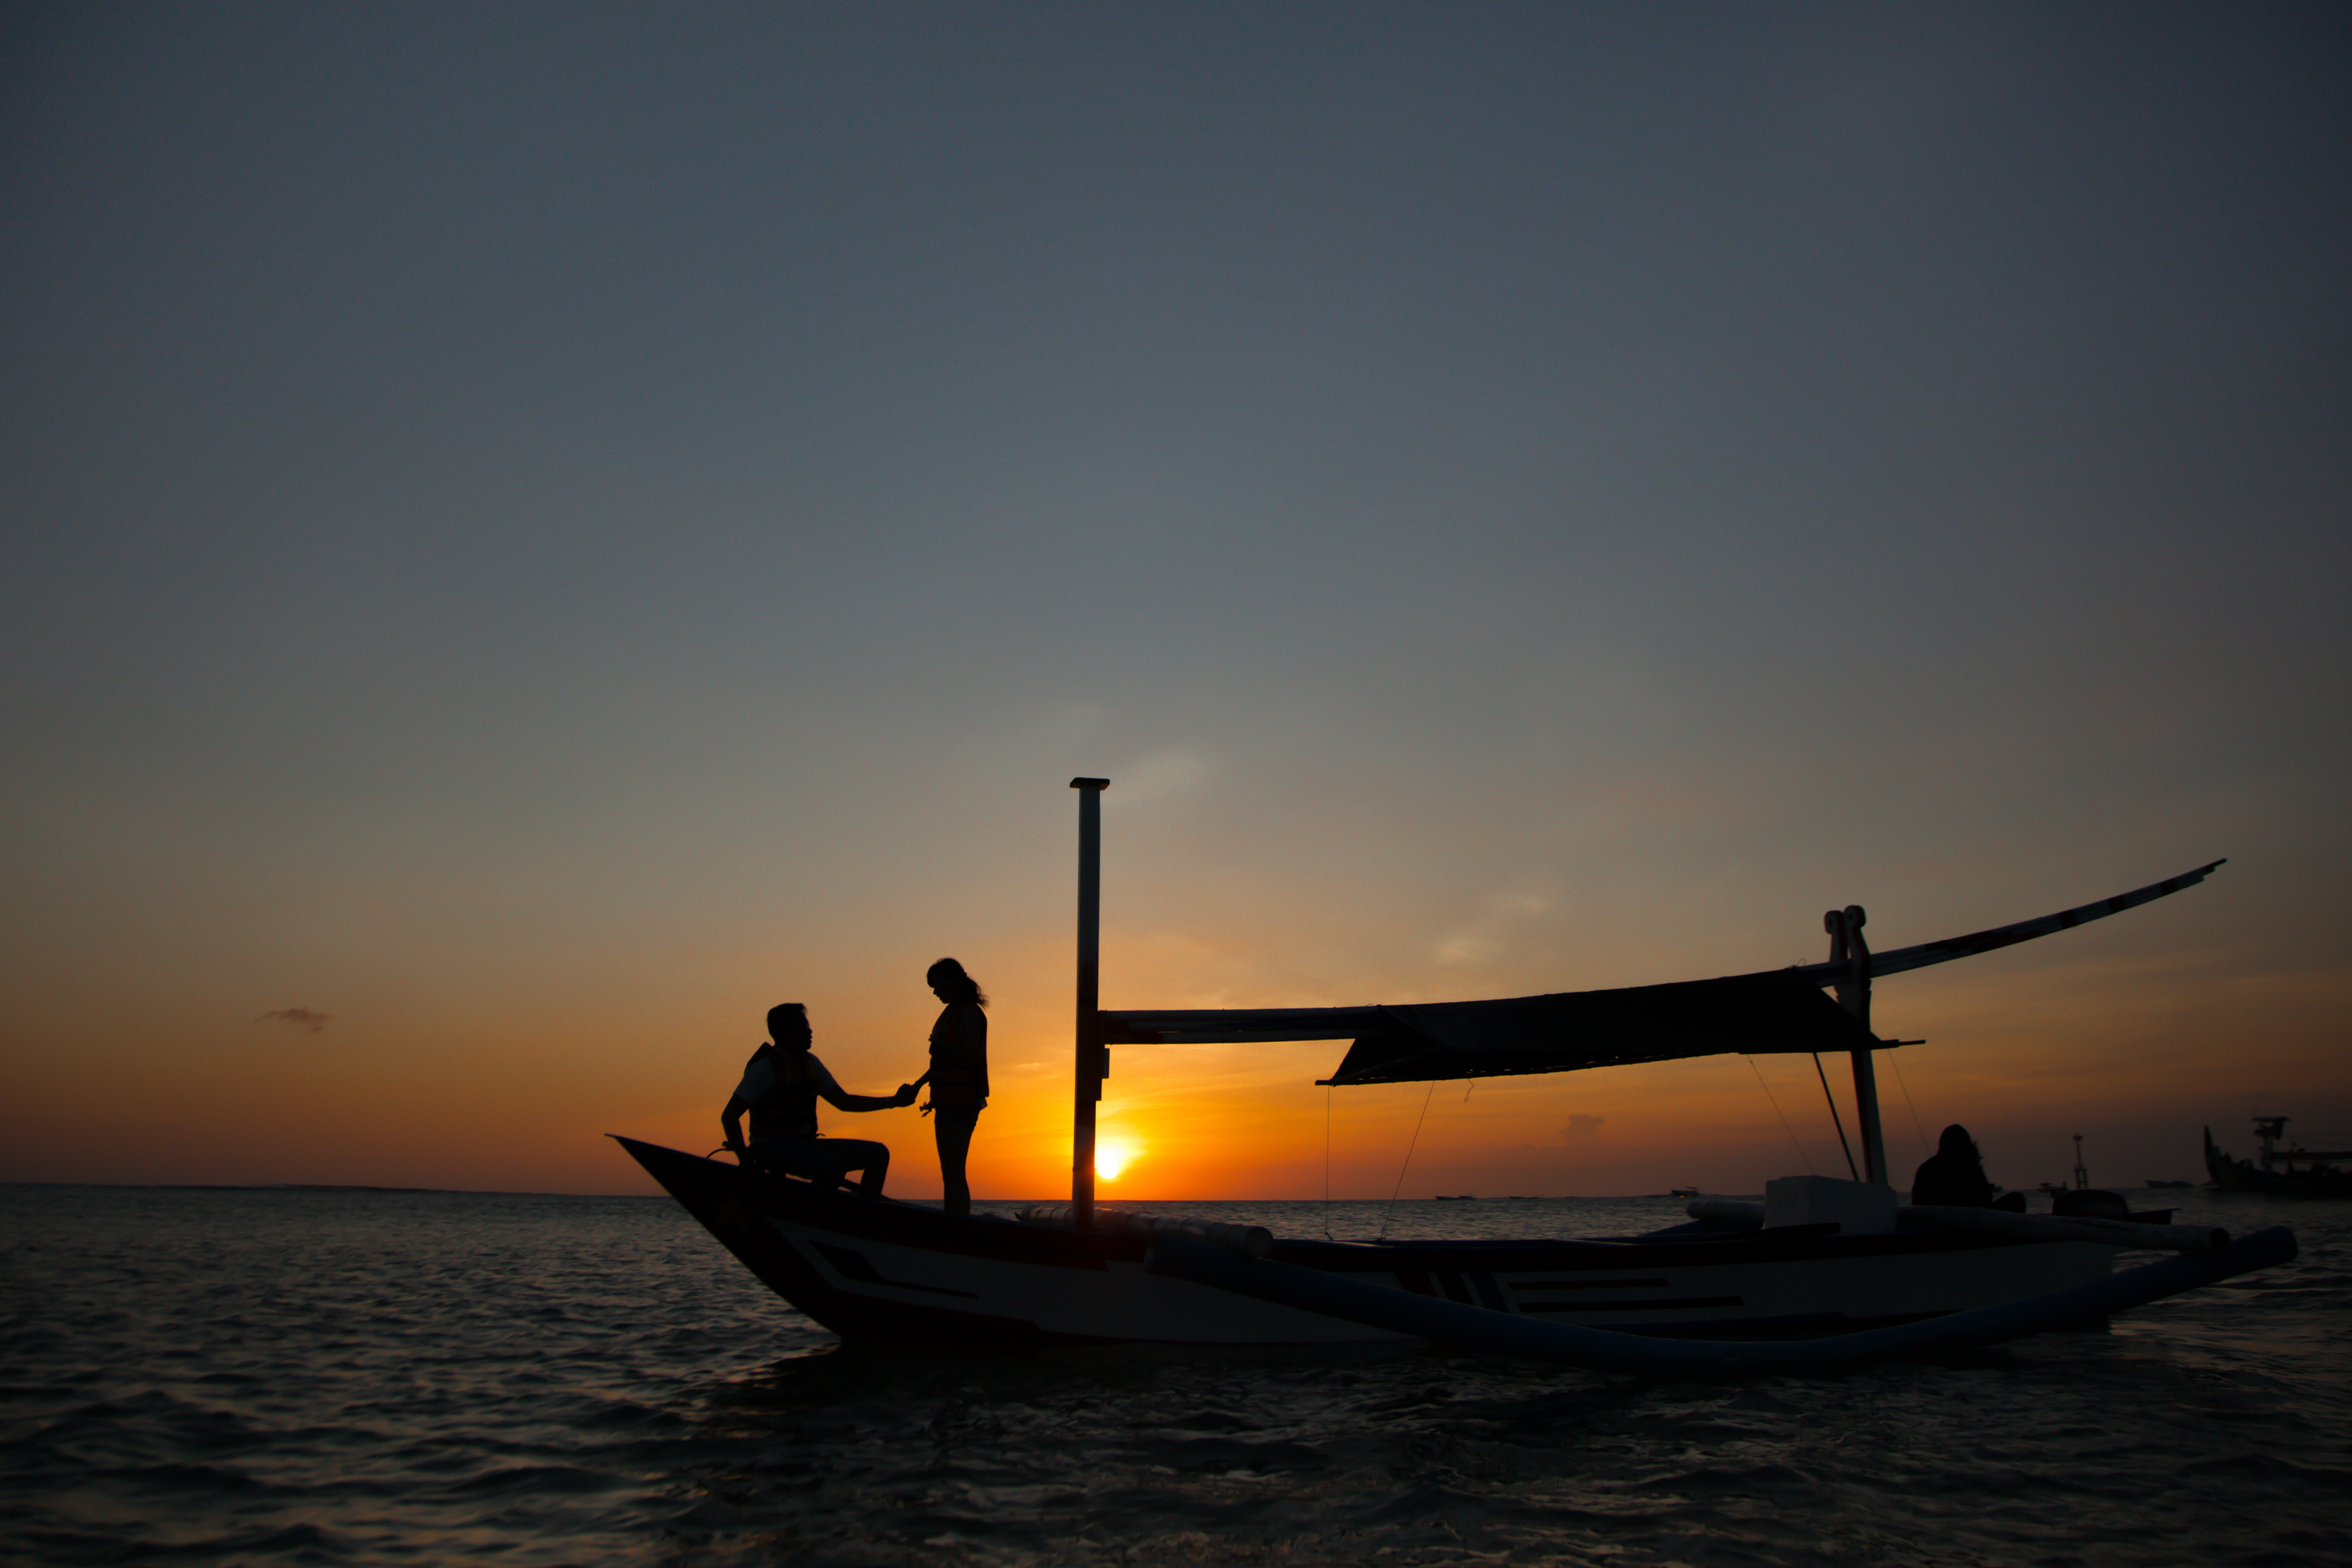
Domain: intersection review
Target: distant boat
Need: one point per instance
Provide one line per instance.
(2319, 1177)
(1457, 1197)
(1682, 1192)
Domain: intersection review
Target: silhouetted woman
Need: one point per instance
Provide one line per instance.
(1954, 1174)
(958, 1075)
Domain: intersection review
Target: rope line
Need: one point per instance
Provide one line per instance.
(1408, 1159)
(1327, 1162)
(1833, 1119)
(1802, 1158)
(1925, 1146)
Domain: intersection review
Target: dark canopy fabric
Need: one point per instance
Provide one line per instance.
(1779, 1010)
(1772, 1012)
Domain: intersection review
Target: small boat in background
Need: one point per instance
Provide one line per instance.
(2277, 1172)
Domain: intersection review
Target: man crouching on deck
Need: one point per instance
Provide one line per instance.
(781, 1084)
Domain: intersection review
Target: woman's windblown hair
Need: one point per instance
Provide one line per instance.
(949, 977)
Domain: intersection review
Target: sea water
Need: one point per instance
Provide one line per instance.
(301, 1376)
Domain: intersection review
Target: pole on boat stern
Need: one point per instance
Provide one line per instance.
(1846, 945)
(1088, 1085)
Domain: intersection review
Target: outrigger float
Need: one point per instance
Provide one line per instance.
(1823, 1272)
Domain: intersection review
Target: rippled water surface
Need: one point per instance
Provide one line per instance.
(298, 1376)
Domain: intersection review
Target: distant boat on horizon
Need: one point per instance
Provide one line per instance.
(2320, 1177)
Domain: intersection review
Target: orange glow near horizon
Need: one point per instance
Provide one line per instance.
(461, 1088)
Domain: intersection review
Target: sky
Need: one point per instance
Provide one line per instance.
(535, 532)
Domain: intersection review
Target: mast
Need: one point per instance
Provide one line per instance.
(2270, 1130)
(1847, 947)
(1086, 1089)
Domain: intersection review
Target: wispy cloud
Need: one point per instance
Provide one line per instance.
(1171, 772)
(1581, 1127)
(1508, 914)
(302, 1019)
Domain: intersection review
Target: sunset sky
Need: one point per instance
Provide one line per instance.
(535, 532)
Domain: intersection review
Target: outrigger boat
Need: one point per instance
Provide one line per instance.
(2319, 1175)
(1824, 1271)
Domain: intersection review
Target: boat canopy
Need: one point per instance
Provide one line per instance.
(1775, 1011)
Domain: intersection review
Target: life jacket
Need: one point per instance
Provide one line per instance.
(959, 1067)
(788, 1109)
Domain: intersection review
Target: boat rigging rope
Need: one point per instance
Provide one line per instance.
(1834, 1118)
(1925, 1146)
(1408, 1159)
(1327, 1162)
(1802, 1158)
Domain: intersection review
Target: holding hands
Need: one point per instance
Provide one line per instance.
(906, 1095)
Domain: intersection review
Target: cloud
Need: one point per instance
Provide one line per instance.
(1581, 1127)
(300, 1018)
(1170, 772)
(1493, 933)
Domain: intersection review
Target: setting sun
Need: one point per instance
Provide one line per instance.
(1110, 1159)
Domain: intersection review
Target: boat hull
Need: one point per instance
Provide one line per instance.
(880, 1272)
(2245, 1176)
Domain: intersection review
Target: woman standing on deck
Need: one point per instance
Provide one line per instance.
(958, 1075)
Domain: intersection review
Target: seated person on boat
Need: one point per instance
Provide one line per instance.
(1954, 1177)
(780, 1089)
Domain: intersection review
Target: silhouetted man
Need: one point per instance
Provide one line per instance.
(780, 1089)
